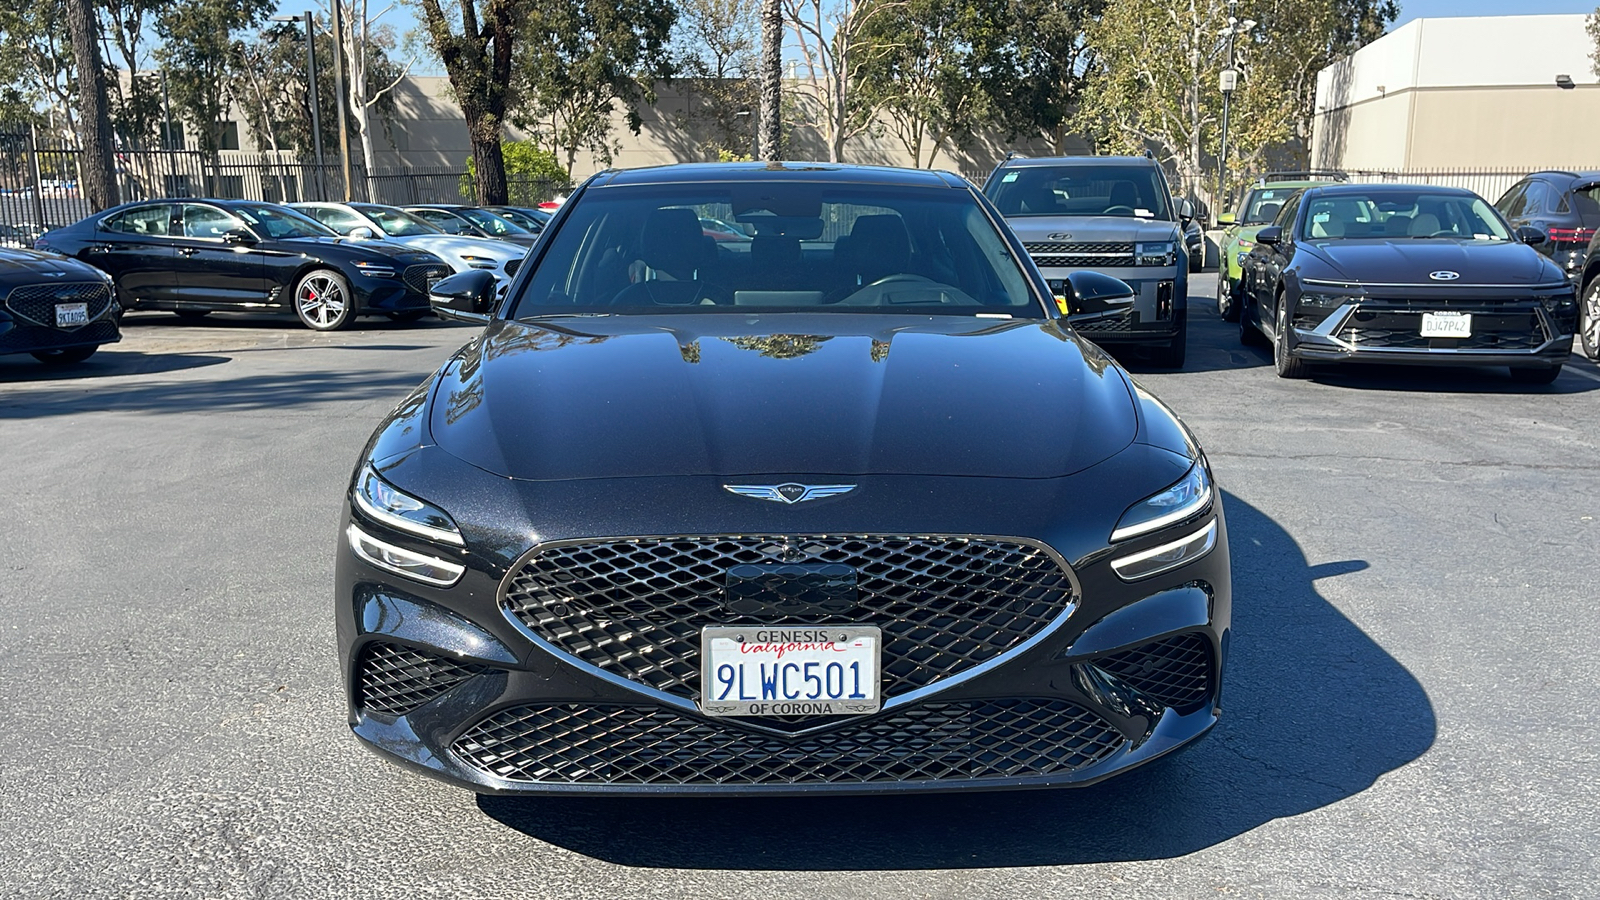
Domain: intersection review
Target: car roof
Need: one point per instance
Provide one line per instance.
(708, 173)
(1086, 161)
(1275, 185)
(1562, 173)
(1337, 189)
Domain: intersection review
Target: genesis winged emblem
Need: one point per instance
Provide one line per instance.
(789, 493)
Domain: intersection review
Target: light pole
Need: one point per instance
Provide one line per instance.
(336, 7)
(311, 97)
(1229, 82)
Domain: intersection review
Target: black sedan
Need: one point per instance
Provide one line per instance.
(474, 222)
(57, 309)
(1404, 274)
(847, 507)
(199, 256)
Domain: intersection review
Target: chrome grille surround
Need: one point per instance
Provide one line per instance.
(631, 609)
(647, 745)
(416, 277)
(1081, 255)
(36, 303)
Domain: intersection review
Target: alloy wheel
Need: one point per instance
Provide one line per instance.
(322, 301)
(1589, 320)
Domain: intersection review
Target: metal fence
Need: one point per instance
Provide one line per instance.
(1489, 184)
(39, 181)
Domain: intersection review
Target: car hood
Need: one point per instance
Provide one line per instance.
(375, 247)
(1090, 229)
(790, 395)
(15, 261)
(457, 246)
(1412, 261)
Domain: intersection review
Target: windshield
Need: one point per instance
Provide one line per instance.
(279, 222)
(816, 247)
(526, 218)
(490, 222)
(1401, 213)
(1262, 206)
(1108, 190)
(397, 222)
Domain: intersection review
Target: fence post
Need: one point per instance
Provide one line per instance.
(33, 173)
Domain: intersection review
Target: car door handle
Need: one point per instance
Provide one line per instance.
(187, 251)
(97, 248)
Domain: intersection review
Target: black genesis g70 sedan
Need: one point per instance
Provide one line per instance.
(200, 256)
(1405, 274)
(848, 507)
(56, 309)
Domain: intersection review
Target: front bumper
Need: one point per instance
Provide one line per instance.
(406, 290)
(1521, 334)
(26, 316)
(449, 682)
(1159, 311)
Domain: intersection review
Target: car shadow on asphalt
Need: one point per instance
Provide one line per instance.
(274, 392)
(245, 321)
(22, 369)
(1315, 711)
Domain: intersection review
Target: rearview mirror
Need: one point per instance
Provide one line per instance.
(466, 297)
(1531, 236)
(1270, 235)
(1090, 296)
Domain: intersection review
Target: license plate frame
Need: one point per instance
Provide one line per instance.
(1446, 325)
(72, 315)
(774, 667)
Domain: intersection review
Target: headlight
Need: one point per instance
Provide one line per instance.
(399, 560)
(1156, 253)
(1166, 557)
(1190, 495)
(375, 270)
(387, 504)
(480, 262)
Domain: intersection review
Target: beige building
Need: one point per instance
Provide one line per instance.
(1493, 94)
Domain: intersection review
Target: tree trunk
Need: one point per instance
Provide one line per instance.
(489, 164)
(770, 133)
(99, 185)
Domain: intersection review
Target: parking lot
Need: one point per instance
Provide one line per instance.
(1409, 705)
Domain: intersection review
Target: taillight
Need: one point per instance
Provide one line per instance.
(1573, 235)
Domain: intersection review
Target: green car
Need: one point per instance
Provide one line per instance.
(1239, 229)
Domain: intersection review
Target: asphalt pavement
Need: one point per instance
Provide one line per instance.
(1410, 707)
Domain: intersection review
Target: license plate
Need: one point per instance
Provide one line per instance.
(1446, 325)
(760, 670)
(70, 314)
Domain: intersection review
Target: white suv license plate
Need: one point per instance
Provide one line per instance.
(70, 314)
(762, 670)
(1446, 325)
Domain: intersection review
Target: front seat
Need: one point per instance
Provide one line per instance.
(674, 247)
(879, 246)
(1123, 193)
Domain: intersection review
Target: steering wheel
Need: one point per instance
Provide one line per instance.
(1444, 234)
(901, 278)
(1118, 211)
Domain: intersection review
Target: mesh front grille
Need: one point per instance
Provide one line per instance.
(31, 337)
(1176, 671)
(1518, 330)
(512, 265)
(1082, 255)
(1113, 325)
(394, 680)
(37, 302)
(1079, 249)
(636, 607)
(625, 745)
(417, 277)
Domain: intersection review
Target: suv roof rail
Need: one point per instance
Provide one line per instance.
(1304, 175)
(1148, 154)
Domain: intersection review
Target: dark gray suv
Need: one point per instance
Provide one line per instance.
(1109, 214)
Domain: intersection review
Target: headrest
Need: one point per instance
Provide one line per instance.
(1041, 199)
(673, 242)
(1269, 211)
(1426, 225)
(880, 245)
(1331, 228)
(1123, 193)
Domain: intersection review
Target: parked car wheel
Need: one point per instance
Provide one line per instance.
(64, 357)
(1589, 320)
(1536, 376)
(1248, 334)
(1227, 300)
(323, 300)
(1286, 365)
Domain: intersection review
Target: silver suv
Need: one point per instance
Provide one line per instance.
(1110, 214)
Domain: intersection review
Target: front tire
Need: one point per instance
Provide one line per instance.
(1172, 354)
(1589, 319)
(1536, 376)
(1249, 335)
(64, 357)
(1227, 298)
(323, 300)
(1286, 365)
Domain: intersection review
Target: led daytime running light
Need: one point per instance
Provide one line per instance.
(1185, 509)
(384, 508)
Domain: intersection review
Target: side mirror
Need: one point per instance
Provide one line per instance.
(1090, 296)
(1186, 211)
(1531, 236)
(1227, 219)
(238, 236)
(361, 233)
(465, 297)
(1272, 235)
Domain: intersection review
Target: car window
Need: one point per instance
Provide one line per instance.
(446, 221)
(398, 222)
(1510, 203)
(816, 247)
(207, 222)
(1130, 191)
(281, 222)
(1411, 213)
(1285, 217)
(152, 219)
(492, 223)
(1539, 198)
(342, 221)
(1587, 204)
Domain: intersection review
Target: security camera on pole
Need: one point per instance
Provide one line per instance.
(1229, 82)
